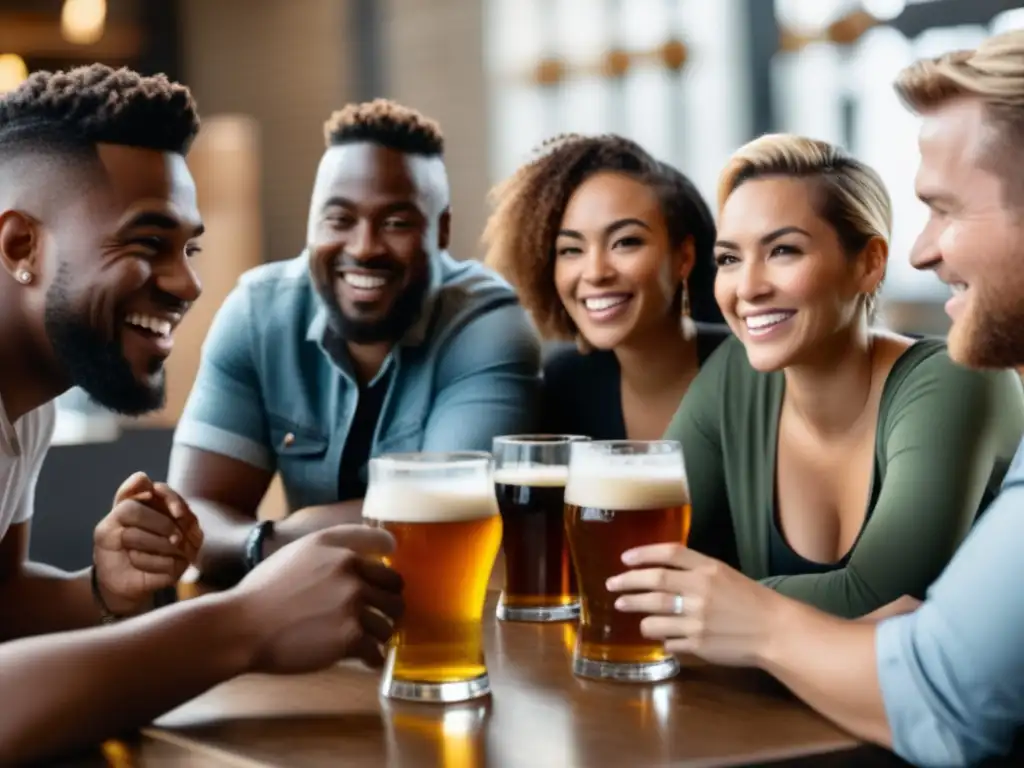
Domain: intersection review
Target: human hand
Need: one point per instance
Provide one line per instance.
(144, 544)
(308, 520)
(725, 617)
(897, 607)
(323, 598)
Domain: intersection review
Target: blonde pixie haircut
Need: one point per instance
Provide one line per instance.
(852, 197)
(993, 73)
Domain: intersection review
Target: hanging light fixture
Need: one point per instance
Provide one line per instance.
(13, 71)
(82, 21)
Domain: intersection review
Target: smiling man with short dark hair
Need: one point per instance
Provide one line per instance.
(373, 340)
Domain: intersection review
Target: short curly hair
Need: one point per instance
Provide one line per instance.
(528, 206)
(388, 124)
(98, 104)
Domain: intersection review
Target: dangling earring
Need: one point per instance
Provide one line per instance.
(23, 276)
(870, 307)
(685, 321)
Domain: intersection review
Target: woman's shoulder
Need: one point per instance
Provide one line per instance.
(925, 364)
(925, 383)
(562, 361)
(581, 392)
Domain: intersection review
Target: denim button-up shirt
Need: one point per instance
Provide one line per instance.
(275, 388)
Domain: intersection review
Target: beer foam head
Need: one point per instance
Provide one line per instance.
(535, 475)
(635, 487)
(437, 500)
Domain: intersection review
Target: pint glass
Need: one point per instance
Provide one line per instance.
(620, 495)
(442, 512)
(529, 477)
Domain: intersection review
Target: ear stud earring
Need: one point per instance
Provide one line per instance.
(24, 276)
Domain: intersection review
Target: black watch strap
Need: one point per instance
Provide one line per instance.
(253, 554)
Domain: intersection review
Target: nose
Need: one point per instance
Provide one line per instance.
(925, 254)
(363, 242)
(753, 283)
(180, 280)
(597, 267)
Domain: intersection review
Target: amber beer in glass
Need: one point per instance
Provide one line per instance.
(529, 478)
(443, 514)
(620, 495)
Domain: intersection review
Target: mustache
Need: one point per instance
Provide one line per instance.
(344, 261)
(168, 301)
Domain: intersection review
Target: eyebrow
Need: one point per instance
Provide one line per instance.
(933, 199)
(773, 235)
(611, 229)
(158, 221)
(395, 207)
(337, 202)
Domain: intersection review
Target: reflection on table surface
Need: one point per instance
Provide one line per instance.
(539, 715)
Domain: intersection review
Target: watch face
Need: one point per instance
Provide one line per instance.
(254, 543)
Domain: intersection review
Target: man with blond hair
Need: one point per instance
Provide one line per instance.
(940, 682)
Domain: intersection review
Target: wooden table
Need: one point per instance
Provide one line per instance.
(539, 715)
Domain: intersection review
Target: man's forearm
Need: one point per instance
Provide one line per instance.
(225, 530)
(221, 559)
(41, 599)
(75, 689)
(830, 663)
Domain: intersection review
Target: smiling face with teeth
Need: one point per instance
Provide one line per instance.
(115, 277)
(377, 217)
(974, 237)
(615, 271)
(785, 284)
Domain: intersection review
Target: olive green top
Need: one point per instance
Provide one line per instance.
(944, 440)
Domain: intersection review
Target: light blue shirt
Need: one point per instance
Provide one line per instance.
(952, 672)
(275, 388)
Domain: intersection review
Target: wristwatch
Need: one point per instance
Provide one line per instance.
(253, 554)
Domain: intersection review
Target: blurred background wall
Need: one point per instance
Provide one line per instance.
(689, 79)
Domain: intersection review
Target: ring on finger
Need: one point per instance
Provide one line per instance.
(677, 605)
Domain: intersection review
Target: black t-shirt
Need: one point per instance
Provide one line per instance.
(583, 393)
(352, 474)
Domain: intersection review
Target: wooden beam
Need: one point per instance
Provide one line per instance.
(34, 35)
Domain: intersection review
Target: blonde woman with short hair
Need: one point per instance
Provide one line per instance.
(844, 462)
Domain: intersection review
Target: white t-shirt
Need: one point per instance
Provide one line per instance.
(23, 447)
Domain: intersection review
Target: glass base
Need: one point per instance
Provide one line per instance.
(441, 693)
(647, 672)
(552, 613)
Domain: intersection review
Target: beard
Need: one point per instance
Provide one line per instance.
(402, 315)
(991, 332)
(94, 363)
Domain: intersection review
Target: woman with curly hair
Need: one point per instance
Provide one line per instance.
(610, 249)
